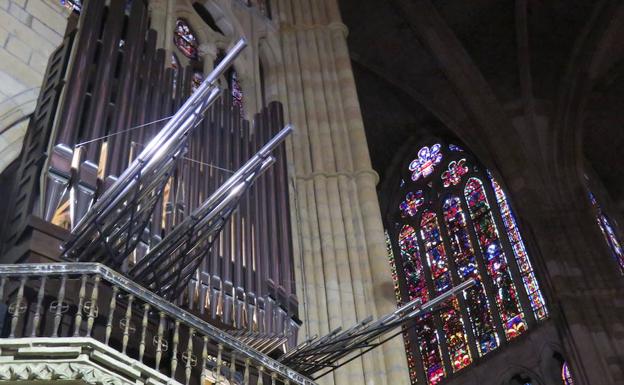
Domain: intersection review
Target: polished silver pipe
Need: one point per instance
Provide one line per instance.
(254, 162)
(231, 197)
(185, 118)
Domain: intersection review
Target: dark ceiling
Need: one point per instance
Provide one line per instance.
(404, 94)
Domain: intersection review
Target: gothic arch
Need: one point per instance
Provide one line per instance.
(582, 72)
(205, 34)
(520, 375)
(449, 219)
(548, 365)
(224, 19)
(269, 56)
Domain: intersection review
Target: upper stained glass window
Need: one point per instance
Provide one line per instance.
(73, 5)
(566, 376)
(608, 230)
(196, 81)
(185, 40)
(455, 148)
(456, 170)
(413, 200)
(237, 91)
(453, 222)
(423, 165)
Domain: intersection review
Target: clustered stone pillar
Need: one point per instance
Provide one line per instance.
(343, 269)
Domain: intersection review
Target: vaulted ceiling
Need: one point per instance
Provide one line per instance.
(404, 92)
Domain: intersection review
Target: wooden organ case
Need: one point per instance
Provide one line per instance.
(108, 90)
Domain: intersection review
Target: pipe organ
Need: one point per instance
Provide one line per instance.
(107, 92)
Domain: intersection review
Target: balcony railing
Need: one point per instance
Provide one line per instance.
(78, 300)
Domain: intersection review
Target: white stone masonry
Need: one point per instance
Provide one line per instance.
(29, 31)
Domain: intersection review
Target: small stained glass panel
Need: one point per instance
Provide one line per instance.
(465, 261)
(196, 81)
(536, 299)
(428, 158)
(453, 175)
(413, 201)
(609, 233)
(185, 40)
(452, 322)
(237, 91)
(566, 376)
(428, 342)
(73, 5)
(496, 262)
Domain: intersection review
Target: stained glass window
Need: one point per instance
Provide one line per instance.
(456, 169)
(185, 40)
(196, 81)
(454, 222)
(455, 148)
(428, 342)
(519, 250)
(496, 262)
(465, 262)
(608, 232)
(413, 200)
(566, 376)
(423, 165)
(452, 323)
(73, 5)
(237, 91)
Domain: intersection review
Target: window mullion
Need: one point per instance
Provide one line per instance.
(485, 276)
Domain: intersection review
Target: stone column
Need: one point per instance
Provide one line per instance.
(158, 10)
(344, 273)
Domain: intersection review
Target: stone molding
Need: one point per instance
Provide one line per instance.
(47, 371)
(335, 174)
(289, 27)
(73, 358)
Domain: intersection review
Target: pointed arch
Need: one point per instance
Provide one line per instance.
(450, 220)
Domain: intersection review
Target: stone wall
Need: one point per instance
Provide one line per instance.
(29, 31)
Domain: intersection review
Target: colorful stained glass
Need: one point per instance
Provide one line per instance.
(196, 81)
(73, 5)
(185, 40)
(463, 255)
(609, 233)
(427, 159)
(456, 169)
(393, 271)
(455, 148)
(538, 305)
(566, 376)
(412, 266)
(428, 342)
(413, 201)
(495, 259)
(452, 322)
(237, 91)
(482, 255)
(411, 361)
